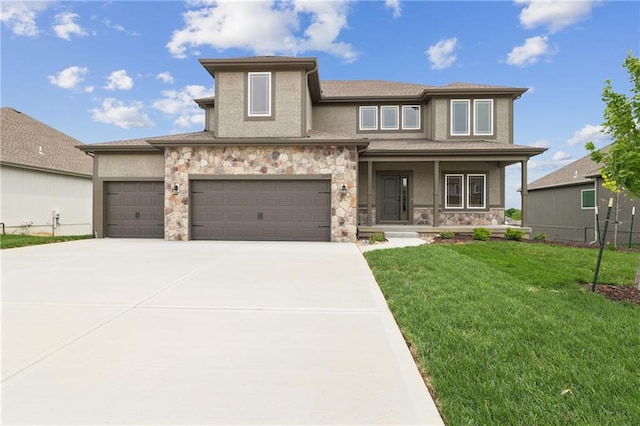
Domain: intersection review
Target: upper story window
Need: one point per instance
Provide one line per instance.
(390, 117)
(410, 117)
(588, 197)
(462, 114)
(368, 118)
(259, 94)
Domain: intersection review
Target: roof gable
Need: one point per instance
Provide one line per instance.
(31, 143)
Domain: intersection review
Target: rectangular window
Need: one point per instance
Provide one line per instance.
(453, 191)
(588, 198)
(476, 190)
(389, 117)
(410, 117)
(460, 117)
(483, 117)
(368, 118)
(259, 94)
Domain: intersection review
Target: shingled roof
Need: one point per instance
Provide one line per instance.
(574, 173)
(28, 142)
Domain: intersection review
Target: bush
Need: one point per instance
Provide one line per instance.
(540, 236)
(514, 214)
(378, 237)
(481, 234)
(447, 235)
(514, 234)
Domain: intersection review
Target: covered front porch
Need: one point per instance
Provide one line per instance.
(428, 186)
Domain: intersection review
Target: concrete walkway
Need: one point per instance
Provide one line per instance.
(158, 332)
(393, 243)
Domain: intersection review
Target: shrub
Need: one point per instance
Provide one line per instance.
(447, 235)
(514, 234)
(481, 234)
(378, 237)
(540, 236)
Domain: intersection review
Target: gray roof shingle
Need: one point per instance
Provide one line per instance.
(28, 142)
(572, 174)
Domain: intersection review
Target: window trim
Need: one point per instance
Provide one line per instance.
(404, 127)
(451, 117)
(396, 108)
(582, 207)
(475, 117)
(360, 109)
(446, 191)
(269, 95)
(484, 191)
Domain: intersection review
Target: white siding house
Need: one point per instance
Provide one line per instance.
(46, 183)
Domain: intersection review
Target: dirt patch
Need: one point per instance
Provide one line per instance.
(619, 293)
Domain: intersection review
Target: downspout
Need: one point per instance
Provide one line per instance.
(308, 92)
(596, 238)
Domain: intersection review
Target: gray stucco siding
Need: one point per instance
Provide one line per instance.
(130, 165)
(287, 101)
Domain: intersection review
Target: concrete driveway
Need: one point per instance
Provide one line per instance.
(159, 332)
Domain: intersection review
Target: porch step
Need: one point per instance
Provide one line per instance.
(401, 234)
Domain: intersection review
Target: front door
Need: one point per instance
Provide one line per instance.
(394, 198)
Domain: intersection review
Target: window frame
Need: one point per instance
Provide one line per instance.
(452, 118)
(475, 117)
(484, 191)
(395, 108)
(269, 112)
(419, 111)
(375, 116)
(446, 191)
(582, 206)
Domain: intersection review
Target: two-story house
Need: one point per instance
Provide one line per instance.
(286, 156)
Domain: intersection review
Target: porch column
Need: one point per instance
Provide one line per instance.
(523, 192)
(436, 193)
(369, 192)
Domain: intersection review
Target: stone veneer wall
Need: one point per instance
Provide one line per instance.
(424, 216)
(492, 217)
(339, 162)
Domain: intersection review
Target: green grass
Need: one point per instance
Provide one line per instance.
(503, 328)
(12, 241)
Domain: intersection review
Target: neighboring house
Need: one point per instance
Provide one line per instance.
(46, 183)
(562, 205)
(285, 156)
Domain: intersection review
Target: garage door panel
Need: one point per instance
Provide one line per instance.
(273, 210)
(134, 209)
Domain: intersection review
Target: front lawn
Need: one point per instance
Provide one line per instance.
(12, 241)
(506, 334)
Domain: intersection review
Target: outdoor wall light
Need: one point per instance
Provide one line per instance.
(343, 190)
(174, 190)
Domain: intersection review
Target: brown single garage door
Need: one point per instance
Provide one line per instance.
(134, 209)
(261, 210)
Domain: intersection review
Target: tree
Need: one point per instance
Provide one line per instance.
(621, 163)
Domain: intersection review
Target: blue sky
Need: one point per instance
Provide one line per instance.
(111, 70)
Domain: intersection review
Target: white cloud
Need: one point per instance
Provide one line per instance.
(561, 156)
(264, 27)
(120, 114)
(542, 143)
(107, 22)
(442, 53)
(588, 133)
(395, 6)
(553, 14)
(181, 107)
(69, 78)
(531, 51)
(89, 89)
(21, 16)
(119, 80)
(166, 77)
(65, 26)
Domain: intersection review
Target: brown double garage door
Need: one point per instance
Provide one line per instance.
(252, 210)
(261, 210)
